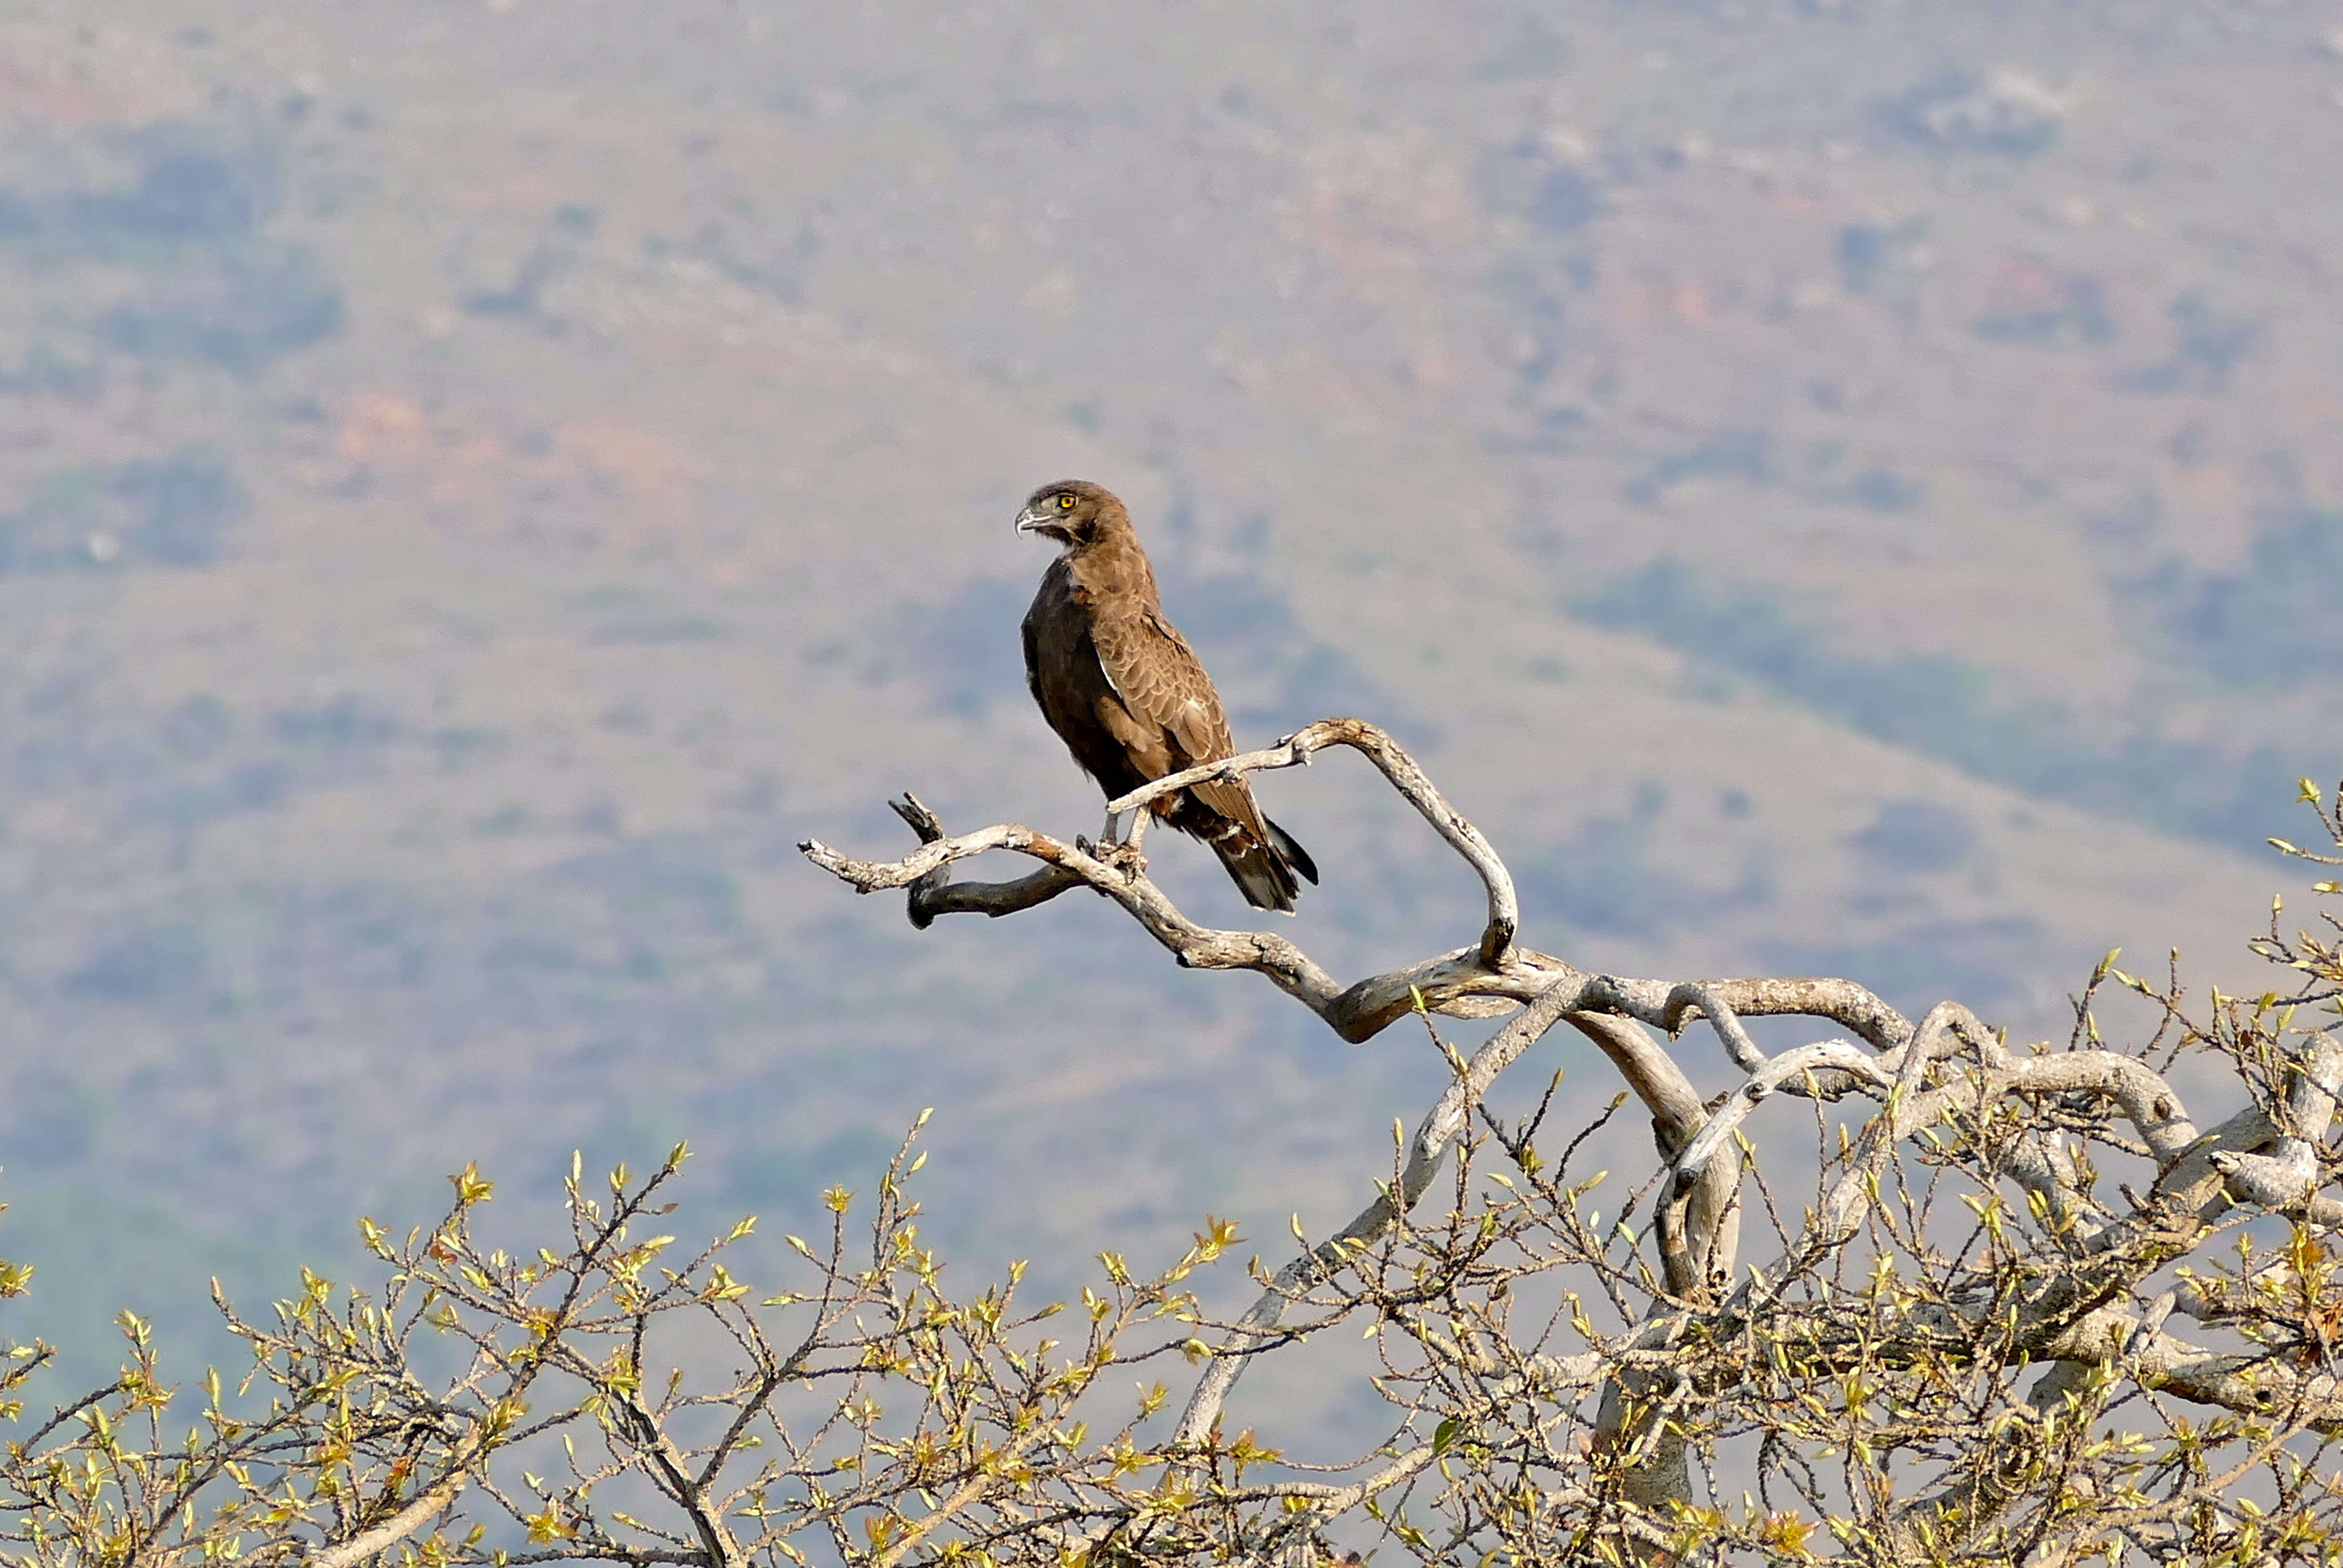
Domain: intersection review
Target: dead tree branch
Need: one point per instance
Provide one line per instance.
(1493, 977)
(1997, 1330)
(1949, 1083)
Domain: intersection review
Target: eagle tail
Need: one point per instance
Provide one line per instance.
(1293, 853)
(1264, 873)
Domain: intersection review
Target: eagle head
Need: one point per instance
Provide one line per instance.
(1071, 511)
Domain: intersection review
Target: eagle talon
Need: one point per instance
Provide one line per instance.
(1123, 857)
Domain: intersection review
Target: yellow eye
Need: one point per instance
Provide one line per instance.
(1065, 503)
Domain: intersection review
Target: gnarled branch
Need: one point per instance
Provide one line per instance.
(1702, 1335)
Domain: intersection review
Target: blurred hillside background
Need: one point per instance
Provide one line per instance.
(1840, 486)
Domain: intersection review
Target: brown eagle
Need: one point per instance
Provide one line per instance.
(1126, 694)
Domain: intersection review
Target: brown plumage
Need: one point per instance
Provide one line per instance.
(1126, 694)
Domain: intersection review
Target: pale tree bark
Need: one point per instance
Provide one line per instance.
(1951, 1069)
(2032, 1308)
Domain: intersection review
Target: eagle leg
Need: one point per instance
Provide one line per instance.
(1131, 832)
(1121, 854)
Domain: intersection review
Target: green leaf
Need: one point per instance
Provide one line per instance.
(471, 1188)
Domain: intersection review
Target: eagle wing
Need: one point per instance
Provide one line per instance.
(1164, 686)
(1131, 701)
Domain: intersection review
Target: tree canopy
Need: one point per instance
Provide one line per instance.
(2009, 1301)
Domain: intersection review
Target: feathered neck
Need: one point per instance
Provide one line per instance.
(1110, 562)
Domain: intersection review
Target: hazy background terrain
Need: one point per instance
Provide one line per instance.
(1833, 486)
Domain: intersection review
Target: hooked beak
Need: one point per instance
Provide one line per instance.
(1030, 519)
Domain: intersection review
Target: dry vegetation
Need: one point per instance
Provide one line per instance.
(2020, 1304)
